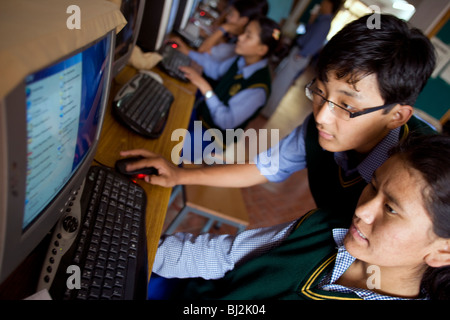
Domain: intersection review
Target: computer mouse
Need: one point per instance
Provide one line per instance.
(122, 164)
(172, 43)
(152, 74)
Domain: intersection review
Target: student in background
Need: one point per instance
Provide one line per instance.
(242, 81)
(366, 84)
(305, 47)
(394, 246)
(220, 44)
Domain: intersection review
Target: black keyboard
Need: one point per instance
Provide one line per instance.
(191, 40)
(143, 105)
(105, 240)
(172, 59)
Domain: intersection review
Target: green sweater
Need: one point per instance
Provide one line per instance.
(289, 271)
(329, 187)
(229, 85)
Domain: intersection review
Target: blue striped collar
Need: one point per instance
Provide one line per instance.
(343, 262)
(247, 71)
(374, 159)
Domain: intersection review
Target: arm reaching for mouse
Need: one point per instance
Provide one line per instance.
(167, 172)
(169, 175)
(179, 44)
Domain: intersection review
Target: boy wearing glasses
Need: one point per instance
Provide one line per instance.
(366, 84)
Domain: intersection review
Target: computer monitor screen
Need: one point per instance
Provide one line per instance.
(132, 10)
(53, 122)
(63, 105)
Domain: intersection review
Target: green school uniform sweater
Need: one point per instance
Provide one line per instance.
(329, 186)
(229, 85)
(290, 271)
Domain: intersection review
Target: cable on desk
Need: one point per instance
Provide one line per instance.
(102, 164)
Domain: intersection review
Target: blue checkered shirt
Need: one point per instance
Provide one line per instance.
(343, 262)
(210, 256)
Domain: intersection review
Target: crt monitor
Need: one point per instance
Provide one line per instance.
(186, 9)
(172, 17)
(132, 10)
(157, 22)
(50, 126)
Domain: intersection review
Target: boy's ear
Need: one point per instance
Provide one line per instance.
(400, 115)
(440, 257)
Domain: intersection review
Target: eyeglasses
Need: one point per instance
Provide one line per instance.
(339, 111)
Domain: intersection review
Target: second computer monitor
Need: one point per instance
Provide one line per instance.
(158, 21)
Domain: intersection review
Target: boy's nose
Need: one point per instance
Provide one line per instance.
(323, 114)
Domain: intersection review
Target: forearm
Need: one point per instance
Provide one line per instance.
(210, 256)
(211, 41)
(211, 67)
(226, 175)
(169, 175)
(184, 255)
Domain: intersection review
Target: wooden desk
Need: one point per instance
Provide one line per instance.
(115, 138)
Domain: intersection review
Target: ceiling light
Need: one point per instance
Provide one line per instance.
(403, 5)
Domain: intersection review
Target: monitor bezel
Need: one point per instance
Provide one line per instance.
(121, 62)
(17, 243)
(185, 10)
(164, 23)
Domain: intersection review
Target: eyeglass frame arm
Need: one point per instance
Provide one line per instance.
(352, 114)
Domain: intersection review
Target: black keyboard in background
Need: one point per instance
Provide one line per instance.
(143, 105)
(110, 245)
(191, 40)
(172, 59)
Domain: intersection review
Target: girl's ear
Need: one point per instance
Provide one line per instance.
(440, 257)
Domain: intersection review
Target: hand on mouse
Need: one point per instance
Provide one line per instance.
(179, 44)
(167, 172)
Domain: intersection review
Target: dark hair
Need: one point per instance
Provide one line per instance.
(430, 155)
(251, 8)
(401, 58)
(270, 33)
